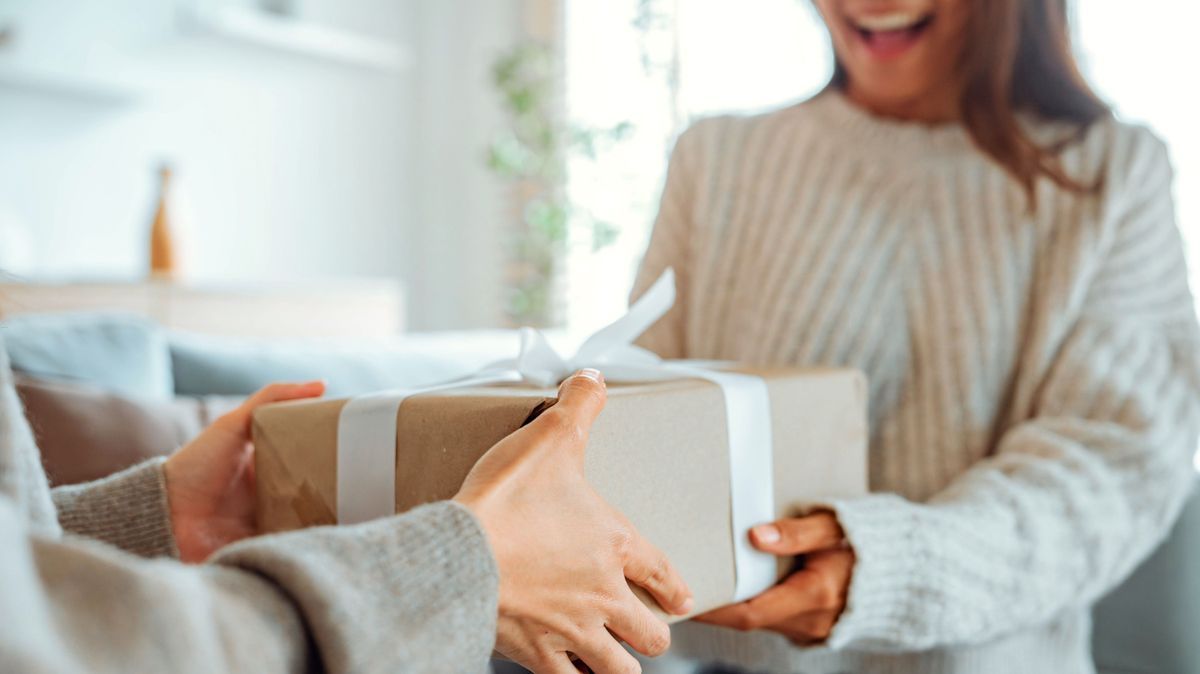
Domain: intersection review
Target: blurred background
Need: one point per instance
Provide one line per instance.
(495, 162)
(199, 197)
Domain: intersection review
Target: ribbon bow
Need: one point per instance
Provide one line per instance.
(610, 349)
(366, 456)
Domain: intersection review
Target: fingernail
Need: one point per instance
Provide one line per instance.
(767, 533)
(591, 373)
(687, 605)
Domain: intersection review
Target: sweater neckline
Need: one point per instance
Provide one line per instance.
(913, 139)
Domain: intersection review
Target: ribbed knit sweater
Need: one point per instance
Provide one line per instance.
(1034, 378)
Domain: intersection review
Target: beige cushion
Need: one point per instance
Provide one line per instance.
(85, 433)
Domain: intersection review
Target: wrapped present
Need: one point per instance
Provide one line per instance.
(693, 453)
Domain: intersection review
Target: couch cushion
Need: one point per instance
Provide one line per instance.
(119, 353)
(205, 365)
(85, 433)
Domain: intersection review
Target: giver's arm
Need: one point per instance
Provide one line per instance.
(127, 510)
(415, 593)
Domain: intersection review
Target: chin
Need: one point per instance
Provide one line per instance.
(885, 93)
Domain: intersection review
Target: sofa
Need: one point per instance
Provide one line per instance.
(107, 390)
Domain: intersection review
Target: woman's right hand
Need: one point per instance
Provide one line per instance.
(564, 554)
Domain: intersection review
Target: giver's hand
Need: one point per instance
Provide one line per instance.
(806, 605)
(210, 481)
(563, 553)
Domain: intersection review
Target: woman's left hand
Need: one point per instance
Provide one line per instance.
(806, 605)
(210, 481)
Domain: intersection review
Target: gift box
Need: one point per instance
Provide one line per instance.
(693, 452)
(659, 452)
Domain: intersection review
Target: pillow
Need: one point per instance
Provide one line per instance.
(1148, 624)
(205, 365)
(85, 433)
(121, 353)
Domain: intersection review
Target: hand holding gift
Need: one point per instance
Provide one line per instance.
(564, 554)
(806, 605)
(694, 453)
(210, 481)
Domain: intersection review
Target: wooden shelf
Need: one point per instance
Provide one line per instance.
(57, 82)
(363, 308)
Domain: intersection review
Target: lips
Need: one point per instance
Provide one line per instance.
(887, 36)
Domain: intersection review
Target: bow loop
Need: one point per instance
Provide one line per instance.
(538, 362)
(611, 348)
(367, 426)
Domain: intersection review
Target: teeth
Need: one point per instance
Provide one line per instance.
(887, 22)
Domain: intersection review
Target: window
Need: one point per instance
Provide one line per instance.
(750, 55)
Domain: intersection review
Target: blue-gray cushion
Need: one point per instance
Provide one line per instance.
(205, 365)
(120, 353)
(1148, 625)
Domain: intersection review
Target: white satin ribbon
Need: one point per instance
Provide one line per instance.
(366, 451)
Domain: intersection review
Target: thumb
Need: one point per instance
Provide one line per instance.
(798, 535)
(238, 420)
(581, 396)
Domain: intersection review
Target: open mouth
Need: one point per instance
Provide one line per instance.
(889, 35)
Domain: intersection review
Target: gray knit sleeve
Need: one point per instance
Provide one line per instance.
(415, 593)
(128, 509)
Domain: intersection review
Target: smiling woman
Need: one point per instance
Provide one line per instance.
(959, 217)
(982, 62)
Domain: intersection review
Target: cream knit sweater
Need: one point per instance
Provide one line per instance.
(1035, 387)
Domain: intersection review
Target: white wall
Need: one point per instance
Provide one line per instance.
(292, 168)
(459, 239)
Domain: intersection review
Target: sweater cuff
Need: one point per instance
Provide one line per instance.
(884, 604)
(128, 510)
(414, 593)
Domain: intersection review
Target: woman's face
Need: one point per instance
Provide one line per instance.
(900, 56)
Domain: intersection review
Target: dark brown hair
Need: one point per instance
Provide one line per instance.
(1018, 58)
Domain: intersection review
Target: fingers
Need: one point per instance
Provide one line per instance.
(637, 626)
(238, 420)
(809, 628)
(647, 567)
(555, 663)
(566, 425)
(798, 535)
(582, 396)
(605, 656)
(819, 587)
(558, 663)
(274, 393)
(773, 606)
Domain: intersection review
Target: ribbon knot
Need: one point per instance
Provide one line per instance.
(366, 452)
(610, 349)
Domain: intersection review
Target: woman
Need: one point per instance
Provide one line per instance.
(959, 216)
(527, 558)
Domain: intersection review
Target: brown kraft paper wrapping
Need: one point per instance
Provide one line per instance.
(658, 453)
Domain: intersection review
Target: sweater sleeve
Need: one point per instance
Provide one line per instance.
(670, 242)
(415, 593)
(1083, 485)
(127, 510)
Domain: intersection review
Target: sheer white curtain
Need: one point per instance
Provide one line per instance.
(749, 55)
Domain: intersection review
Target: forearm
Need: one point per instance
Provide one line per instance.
(128, 510)
(1064, 512)
(415, 593)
